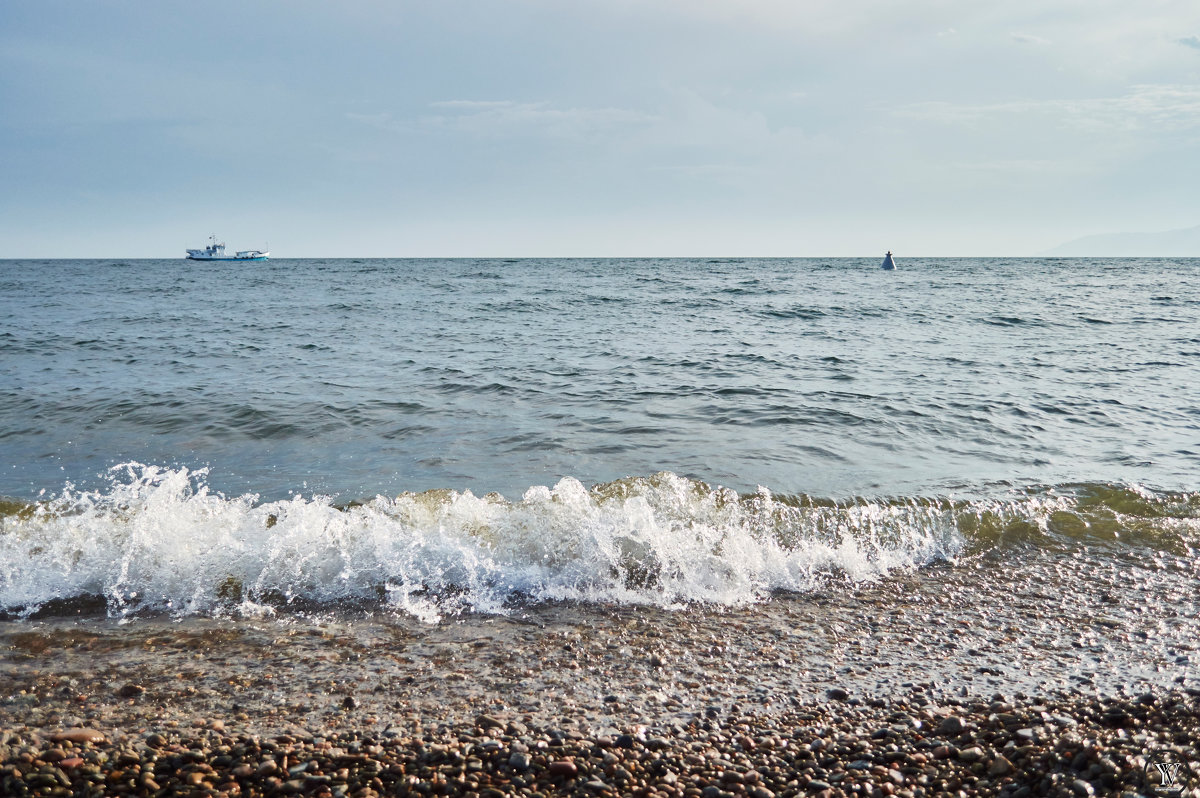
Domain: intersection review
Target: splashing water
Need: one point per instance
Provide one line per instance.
(159, 540)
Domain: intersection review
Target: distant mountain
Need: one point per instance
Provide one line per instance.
(1168, 244)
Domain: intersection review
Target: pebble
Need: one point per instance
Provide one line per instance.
(972, 754)
(951, 725)
(78, 735)
(820, 749)
(1000, 766)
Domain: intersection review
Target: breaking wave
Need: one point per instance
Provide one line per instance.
(159, 540)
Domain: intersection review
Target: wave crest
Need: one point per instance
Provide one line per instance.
(158, 539)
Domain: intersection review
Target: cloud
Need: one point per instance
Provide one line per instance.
(1029, 38)
(498, 118)
(1158, 107)
(1190, 41)
(473, 105)
(1036, 166)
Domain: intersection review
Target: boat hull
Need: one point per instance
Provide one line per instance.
(248, 257)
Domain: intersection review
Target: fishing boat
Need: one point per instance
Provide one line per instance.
(888, 263)
(216, 251)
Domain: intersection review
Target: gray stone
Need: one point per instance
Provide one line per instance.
(952, 725)
(972, 754)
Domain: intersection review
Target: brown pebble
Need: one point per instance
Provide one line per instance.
(563, 767)
(78, 736)
(73, 762)
(54, 755)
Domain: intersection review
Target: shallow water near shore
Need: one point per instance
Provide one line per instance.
(1068, 624)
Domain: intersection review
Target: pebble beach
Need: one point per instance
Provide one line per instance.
(964, 680)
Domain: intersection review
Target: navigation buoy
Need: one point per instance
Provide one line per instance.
(888, 263)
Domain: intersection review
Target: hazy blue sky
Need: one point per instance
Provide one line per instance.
(613, 127)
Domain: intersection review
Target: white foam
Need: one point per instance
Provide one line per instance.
(158, 539)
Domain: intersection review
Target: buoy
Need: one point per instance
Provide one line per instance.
(888, 263)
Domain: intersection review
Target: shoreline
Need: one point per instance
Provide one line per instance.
(1038, 657)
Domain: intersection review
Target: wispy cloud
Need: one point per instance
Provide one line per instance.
(1192, 41)
(1038, 166)
(472, 105)
(1161, 107)
(1028, 38)
(504, 117)
(498, 118)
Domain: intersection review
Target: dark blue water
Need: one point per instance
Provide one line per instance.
(824, 377)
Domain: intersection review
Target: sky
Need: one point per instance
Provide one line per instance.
(555, 128)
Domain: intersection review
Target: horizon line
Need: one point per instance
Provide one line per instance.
(590, 257)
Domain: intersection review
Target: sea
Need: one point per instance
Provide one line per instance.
(448, 438)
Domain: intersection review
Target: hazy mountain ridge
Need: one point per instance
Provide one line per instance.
(1169, 243)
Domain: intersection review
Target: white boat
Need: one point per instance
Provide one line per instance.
(216, 251)
(888, 263)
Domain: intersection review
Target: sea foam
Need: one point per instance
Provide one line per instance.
(159, 540)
